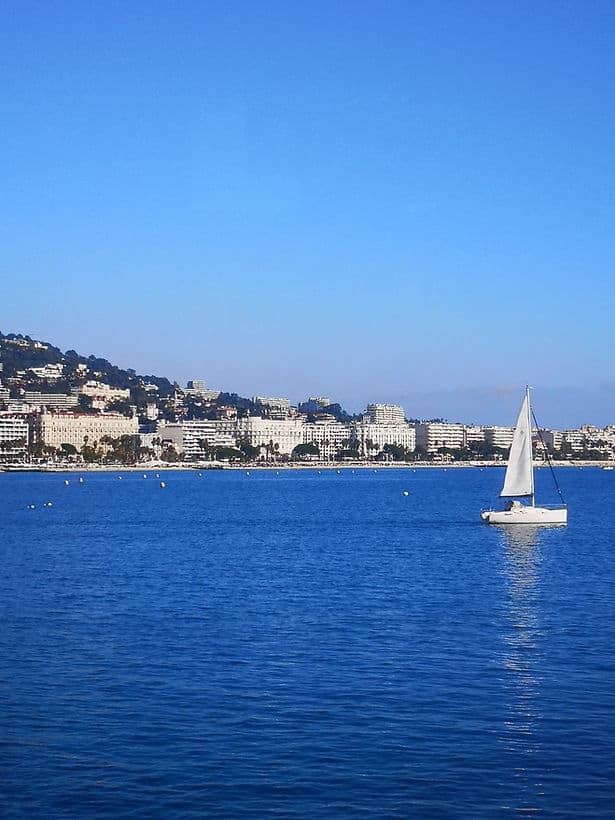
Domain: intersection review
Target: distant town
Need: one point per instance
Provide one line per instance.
(61, 409)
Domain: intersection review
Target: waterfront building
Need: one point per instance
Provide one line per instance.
(171, 433)
(14, 437)
(327, 434)
(56, 429)
(196, 439)
(552, 439)
(371, 437)
(150, 440)
(274, 436)
(200, 437)
(433, 435)
(573, 440)
(499, 436)
(385, 414)
(473, 434)
(598, 439)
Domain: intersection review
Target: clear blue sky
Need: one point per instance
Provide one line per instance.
(389, 201)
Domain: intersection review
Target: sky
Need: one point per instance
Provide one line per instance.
(395, 201)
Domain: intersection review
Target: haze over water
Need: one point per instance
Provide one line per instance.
(305, 645)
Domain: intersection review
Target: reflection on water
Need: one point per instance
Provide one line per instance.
(522, 638)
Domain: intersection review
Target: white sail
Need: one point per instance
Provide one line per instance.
(519, 478)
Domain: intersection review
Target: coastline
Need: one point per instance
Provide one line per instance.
(338, 467)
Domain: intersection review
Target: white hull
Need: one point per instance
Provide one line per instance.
(526, 515)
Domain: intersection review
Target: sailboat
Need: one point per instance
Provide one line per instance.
(519, 480)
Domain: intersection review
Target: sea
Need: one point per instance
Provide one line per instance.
(304, 643)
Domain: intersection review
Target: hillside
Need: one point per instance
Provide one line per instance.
(20, 354)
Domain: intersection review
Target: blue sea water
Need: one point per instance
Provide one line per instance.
(298, 644)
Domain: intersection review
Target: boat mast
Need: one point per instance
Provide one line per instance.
(529, 432)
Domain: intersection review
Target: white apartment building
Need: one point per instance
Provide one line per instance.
(215, 433)
(272, 402)
(328, 435)
(574, 439)
(267, 433)
(499, 436)
(14, 437)
(188, 437)
(170, 432)
(598, 438)
(151, 411)
(385, 414)
(197, 387)
(50, 372)
(321, 401)
(56, 429)
(273, 407)
(372, 437)
(102, 394)
(551, 438)
(57, 401)
(473, 434)
(432, 435)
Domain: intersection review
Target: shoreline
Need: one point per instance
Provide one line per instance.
(207, 466)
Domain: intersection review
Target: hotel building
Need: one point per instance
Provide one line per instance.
(56, 429)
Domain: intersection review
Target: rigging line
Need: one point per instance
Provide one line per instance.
(546, 452)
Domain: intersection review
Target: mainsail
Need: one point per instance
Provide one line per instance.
(519, 478)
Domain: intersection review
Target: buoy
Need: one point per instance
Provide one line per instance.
(120, 477)
(49, 504)
(81, 479)
(200, 475)
(30, 506)
(405, 492)
(66, 482)
(157, 475)
(338, 472)
(247, 472)
(162, 485)
(144, 475)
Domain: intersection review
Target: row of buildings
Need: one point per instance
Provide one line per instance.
(380, 432)
(194, 425)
